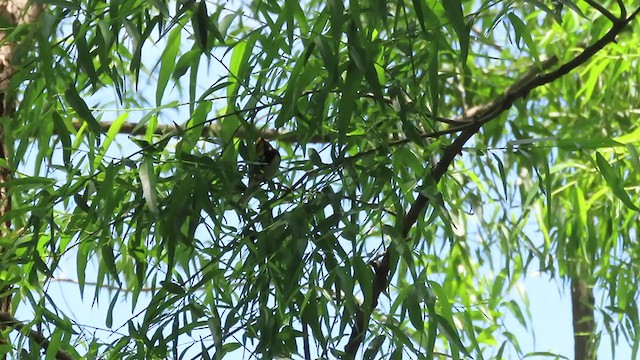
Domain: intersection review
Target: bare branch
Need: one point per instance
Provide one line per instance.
(8, 320)
(623, 9)
(102, 286)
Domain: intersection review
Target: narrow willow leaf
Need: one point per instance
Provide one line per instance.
(418, 6)
(136, 60)
(113, 131)
(216, 332)
(374, 347)
(26, 183)
(432, 332)
(64, 135)
(185, 62)
(522, 32)
(359, 52)
(635, 159)
(172, 287)
(451, 334)
(149, 182)
(348, 101)
(54, 344)
(223, 25)
(167, 63)
(294, 89)
(82, 259)
(453, 12)
(112, 304)
(200, 23)
(572, 5)
(517, 312)
(503, 174)
(85, 59)
(496, 290)
(501, 350)
(415, 312)
(614, 182)
(237, 68)
(593, 79)
(80, 106)
(195, 126)
(588, 143)
(109, 260)
(434, 79)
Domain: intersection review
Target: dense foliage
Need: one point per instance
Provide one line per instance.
(135, 130)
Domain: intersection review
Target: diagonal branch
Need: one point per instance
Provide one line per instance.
(603, 11)
(8, 320)
(482, 115)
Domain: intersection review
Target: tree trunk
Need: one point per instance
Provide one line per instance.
(16, 12)
(584, 325)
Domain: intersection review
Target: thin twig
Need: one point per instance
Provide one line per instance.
(103, 286)
(623, 9)
(604, 11)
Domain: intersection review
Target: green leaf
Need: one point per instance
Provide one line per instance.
(112, 304)
(614, 182)
(295, 85)
(200, 22)
(360, 54)
(80, 106)
(453, 12)
(237, 66)
(54, 344)
(167, 63)
(347, 102)
(503, 174)
(195, 126)
(517, 312)
(149, 182)
(590, 143)
(374, 347)
(186, 61)
(109, 260)
(26, 183)
(415, 312)
(64, 135)
(418, 6)
(172, 287)
(451, 334)
(522, 32)
(634, 157)
(113, 131)
(85, 59)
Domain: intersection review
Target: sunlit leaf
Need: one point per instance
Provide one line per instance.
(167, 63)
(614, 181)
(148, 181)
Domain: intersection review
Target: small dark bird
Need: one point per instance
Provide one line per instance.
(265, 168)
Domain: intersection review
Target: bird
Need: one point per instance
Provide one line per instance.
(265, 168)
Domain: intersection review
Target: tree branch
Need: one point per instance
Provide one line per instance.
(603, 11)
(8, 320)
(482, 115)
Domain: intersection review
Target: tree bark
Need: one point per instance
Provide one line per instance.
(584, 325)
(16, 12)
